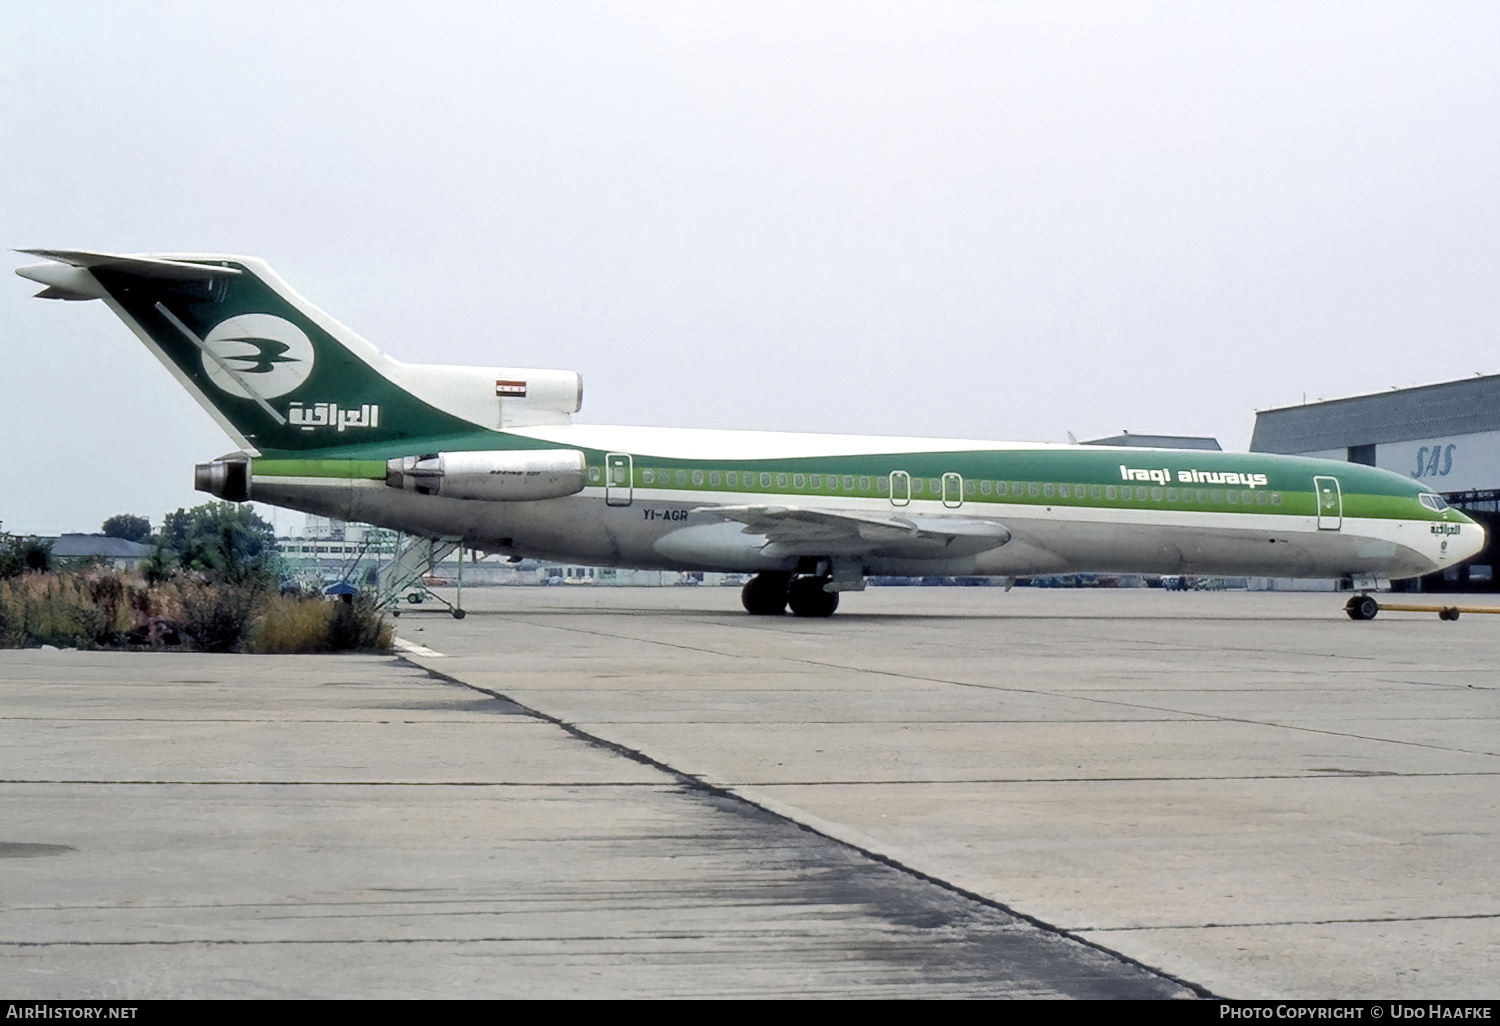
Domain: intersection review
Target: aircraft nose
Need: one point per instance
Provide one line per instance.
(1469, 543)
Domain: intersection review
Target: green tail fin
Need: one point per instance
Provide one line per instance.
(278, 375)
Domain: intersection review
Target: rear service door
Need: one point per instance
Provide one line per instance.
(1330, 503)
(619, 479)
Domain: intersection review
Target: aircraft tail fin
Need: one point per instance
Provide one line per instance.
(278, 374)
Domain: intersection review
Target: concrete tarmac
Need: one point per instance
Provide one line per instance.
(239, 826)
(1248, 793)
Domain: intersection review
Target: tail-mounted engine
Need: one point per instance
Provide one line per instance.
(501, 476)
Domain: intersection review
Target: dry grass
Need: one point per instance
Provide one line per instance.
(290, 623)
(49, 609)
(105, 609)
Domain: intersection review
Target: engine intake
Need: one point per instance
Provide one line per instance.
(520, 475)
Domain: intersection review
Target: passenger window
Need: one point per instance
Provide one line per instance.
(697, 477)
(1202, 495)
(1094, 491)
(647, 475)
(1276, 498)
(780, 480)
(1171, 494)
(985, 488)
(732, 478)
(882, 484)
(969, 487)
(714, 478)
(1064, 491)
(817, 481)
(1000, 488)
(682, 477)
(1031, 488)
(798, 481)
(765, 480)
(916, 485)
(1109, 493)
(864, 484)
(1217, 496)
(935, 486)
(1047, 489)
(1247, 497)
(1260, 498)
(1231, 498)
(1156, 495)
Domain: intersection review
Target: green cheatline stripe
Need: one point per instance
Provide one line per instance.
(346, 469)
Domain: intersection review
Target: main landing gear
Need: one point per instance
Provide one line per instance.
(769, 594)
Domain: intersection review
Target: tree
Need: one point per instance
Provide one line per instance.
(127, 526)
(225, 541)
(18, 554)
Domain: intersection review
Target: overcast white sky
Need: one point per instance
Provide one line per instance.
(998, 220)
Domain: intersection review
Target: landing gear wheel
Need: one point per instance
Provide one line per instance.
(415, 598)
(459, 614)
(1362, 607)
(765, 594)
(807, 597)
(1451, 613)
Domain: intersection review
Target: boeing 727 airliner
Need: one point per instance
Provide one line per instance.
(327, 424)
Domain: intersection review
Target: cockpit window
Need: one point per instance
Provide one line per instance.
(1436, 503)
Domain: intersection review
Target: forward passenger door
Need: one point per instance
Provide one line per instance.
(1330, 503)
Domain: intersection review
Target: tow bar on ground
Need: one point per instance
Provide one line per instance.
(1364, 607)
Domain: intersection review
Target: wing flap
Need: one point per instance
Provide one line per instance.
(820, 531)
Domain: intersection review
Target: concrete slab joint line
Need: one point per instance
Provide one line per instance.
(697, 783)
(1237, 787)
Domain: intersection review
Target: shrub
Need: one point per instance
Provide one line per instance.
(103, 607)
(358, 627)
(216, 616)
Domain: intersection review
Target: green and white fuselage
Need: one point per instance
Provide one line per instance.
(329, 425)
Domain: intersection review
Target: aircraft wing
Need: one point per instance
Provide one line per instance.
(808, 531)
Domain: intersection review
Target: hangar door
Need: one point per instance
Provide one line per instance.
(1330, 503)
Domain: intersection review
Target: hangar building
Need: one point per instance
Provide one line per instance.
(1446, 436)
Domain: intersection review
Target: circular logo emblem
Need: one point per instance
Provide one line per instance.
(270, 355)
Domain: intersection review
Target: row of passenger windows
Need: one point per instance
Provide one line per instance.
(933, 487)
(732, 479)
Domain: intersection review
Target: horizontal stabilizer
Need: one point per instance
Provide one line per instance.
(146, 267)
(53, 292)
